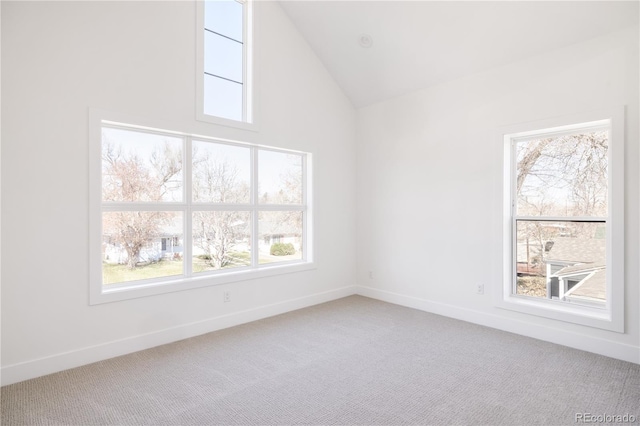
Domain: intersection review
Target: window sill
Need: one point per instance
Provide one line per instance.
(562, 311)
(142, 289)
(243, 125)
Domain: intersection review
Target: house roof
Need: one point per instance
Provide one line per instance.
(587, 256)
(595, 287)
(578, 250)
(580, 268)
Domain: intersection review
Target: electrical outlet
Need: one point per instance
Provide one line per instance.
(226, 296)
(479, 288)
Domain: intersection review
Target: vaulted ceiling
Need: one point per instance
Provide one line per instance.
(416, 44)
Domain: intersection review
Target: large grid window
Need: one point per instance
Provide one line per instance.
(564, 222)
(225, 61)
(176, 209)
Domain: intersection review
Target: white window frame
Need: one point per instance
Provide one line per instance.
(611, 317)
(142, 288)
(250, 92)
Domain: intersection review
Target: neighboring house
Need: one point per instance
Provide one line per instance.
(279, 232)
(170, 245)
(576, 270)
(165, 246)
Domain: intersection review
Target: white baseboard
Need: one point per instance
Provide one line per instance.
(577, 341)
(64, 361)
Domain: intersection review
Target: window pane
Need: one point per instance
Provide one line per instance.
(224, 17)
(140, 245)
(563, 176)
(280, 237)
(221, 240)
(140, 166)
(279, 177)
(223, 57)
(562, 260)
(222, 98)
(221, 173)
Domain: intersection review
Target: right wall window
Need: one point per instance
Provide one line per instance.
(563, 233)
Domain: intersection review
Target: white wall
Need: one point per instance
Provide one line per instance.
(61, 58)
(429, 171)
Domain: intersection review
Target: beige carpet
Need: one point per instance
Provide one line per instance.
(351, 361)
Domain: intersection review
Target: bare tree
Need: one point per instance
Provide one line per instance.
(127, 177)
(569, 173)
(528, 160)
(589, 184)
(560, 176)
(133, 231)
(216, 232)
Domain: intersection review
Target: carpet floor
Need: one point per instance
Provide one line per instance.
(353, 361)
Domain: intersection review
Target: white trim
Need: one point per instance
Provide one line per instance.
(308, 219)
(612, 317)
(249, 89)
(187, 230)
(39, 367)
(579, 341)
(153, 287)
(562, 130)
(95, 200)
(255, 229)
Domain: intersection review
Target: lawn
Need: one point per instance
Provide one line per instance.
(116, 273)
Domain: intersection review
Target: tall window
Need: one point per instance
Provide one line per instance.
(564, 252)
(177, 209)
(224, 61)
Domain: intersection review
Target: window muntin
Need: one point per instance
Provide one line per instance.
(552, 208)
(225, 71)
(175, 208)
